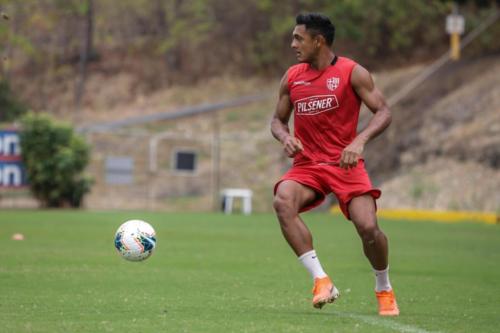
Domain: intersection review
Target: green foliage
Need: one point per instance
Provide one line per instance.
(188, 40)
(55, 159)
(10, 108)
(194, 27)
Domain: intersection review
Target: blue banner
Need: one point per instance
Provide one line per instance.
(12, 171)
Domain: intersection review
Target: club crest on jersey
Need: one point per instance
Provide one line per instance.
(332, 83)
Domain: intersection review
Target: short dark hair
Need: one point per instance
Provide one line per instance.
(317, 24)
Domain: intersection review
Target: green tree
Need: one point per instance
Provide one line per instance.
(164, 42)
(55, 159)
(10, 107)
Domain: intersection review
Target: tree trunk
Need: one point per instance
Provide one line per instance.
(85, 54)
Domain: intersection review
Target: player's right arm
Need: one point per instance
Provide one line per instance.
(279, 122)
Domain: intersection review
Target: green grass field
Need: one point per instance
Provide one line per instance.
(216, 273)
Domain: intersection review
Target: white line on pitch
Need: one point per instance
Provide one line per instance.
(376, 321)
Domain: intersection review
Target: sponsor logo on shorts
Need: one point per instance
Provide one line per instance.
(313, 105)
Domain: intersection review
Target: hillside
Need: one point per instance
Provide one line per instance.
(442, 150)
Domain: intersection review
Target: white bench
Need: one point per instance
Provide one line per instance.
(228, 195)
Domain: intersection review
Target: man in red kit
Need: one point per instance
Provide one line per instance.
(326, 92)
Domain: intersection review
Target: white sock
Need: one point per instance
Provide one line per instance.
(311, 263)
(382, 282)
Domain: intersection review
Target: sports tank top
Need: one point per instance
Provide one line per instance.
(326, 110)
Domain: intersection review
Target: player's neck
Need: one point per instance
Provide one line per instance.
(323, 60)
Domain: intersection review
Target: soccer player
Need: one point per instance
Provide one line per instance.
(326, 92)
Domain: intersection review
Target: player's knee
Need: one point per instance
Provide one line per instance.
(283, 206)
(369, 232)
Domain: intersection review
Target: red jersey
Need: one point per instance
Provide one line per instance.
(326, 110)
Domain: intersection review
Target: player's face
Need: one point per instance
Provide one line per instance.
(304, 45)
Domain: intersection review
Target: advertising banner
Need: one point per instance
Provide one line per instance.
(12, 171)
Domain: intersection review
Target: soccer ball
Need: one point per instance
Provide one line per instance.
(135, 240)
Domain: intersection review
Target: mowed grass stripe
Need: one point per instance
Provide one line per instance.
(217, 273)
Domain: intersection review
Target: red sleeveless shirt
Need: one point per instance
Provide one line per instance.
(326, 110)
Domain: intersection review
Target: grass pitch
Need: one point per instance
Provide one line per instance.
(216, 273)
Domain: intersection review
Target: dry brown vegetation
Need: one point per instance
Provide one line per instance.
(441, 152)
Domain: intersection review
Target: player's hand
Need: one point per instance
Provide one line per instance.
(351, 155)
(292, 146)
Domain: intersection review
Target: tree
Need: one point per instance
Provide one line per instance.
(86, 50)
(55, 159)
(10, 108)
(176, 41)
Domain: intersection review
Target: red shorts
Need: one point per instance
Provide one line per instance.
(325, 179)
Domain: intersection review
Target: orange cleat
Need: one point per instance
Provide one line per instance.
(324, 292)
(387, 305)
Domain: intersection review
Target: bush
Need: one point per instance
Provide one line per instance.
(55, 159)
(10, 108)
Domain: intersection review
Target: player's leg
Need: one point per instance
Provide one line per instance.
(362, 212)
(289, 199)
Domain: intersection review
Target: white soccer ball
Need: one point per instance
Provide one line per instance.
(135, 240)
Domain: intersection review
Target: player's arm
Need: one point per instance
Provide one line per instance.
(279, 122)
(362, 83)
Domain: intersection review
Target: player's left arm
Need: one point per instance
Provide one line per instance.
(363, 85)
